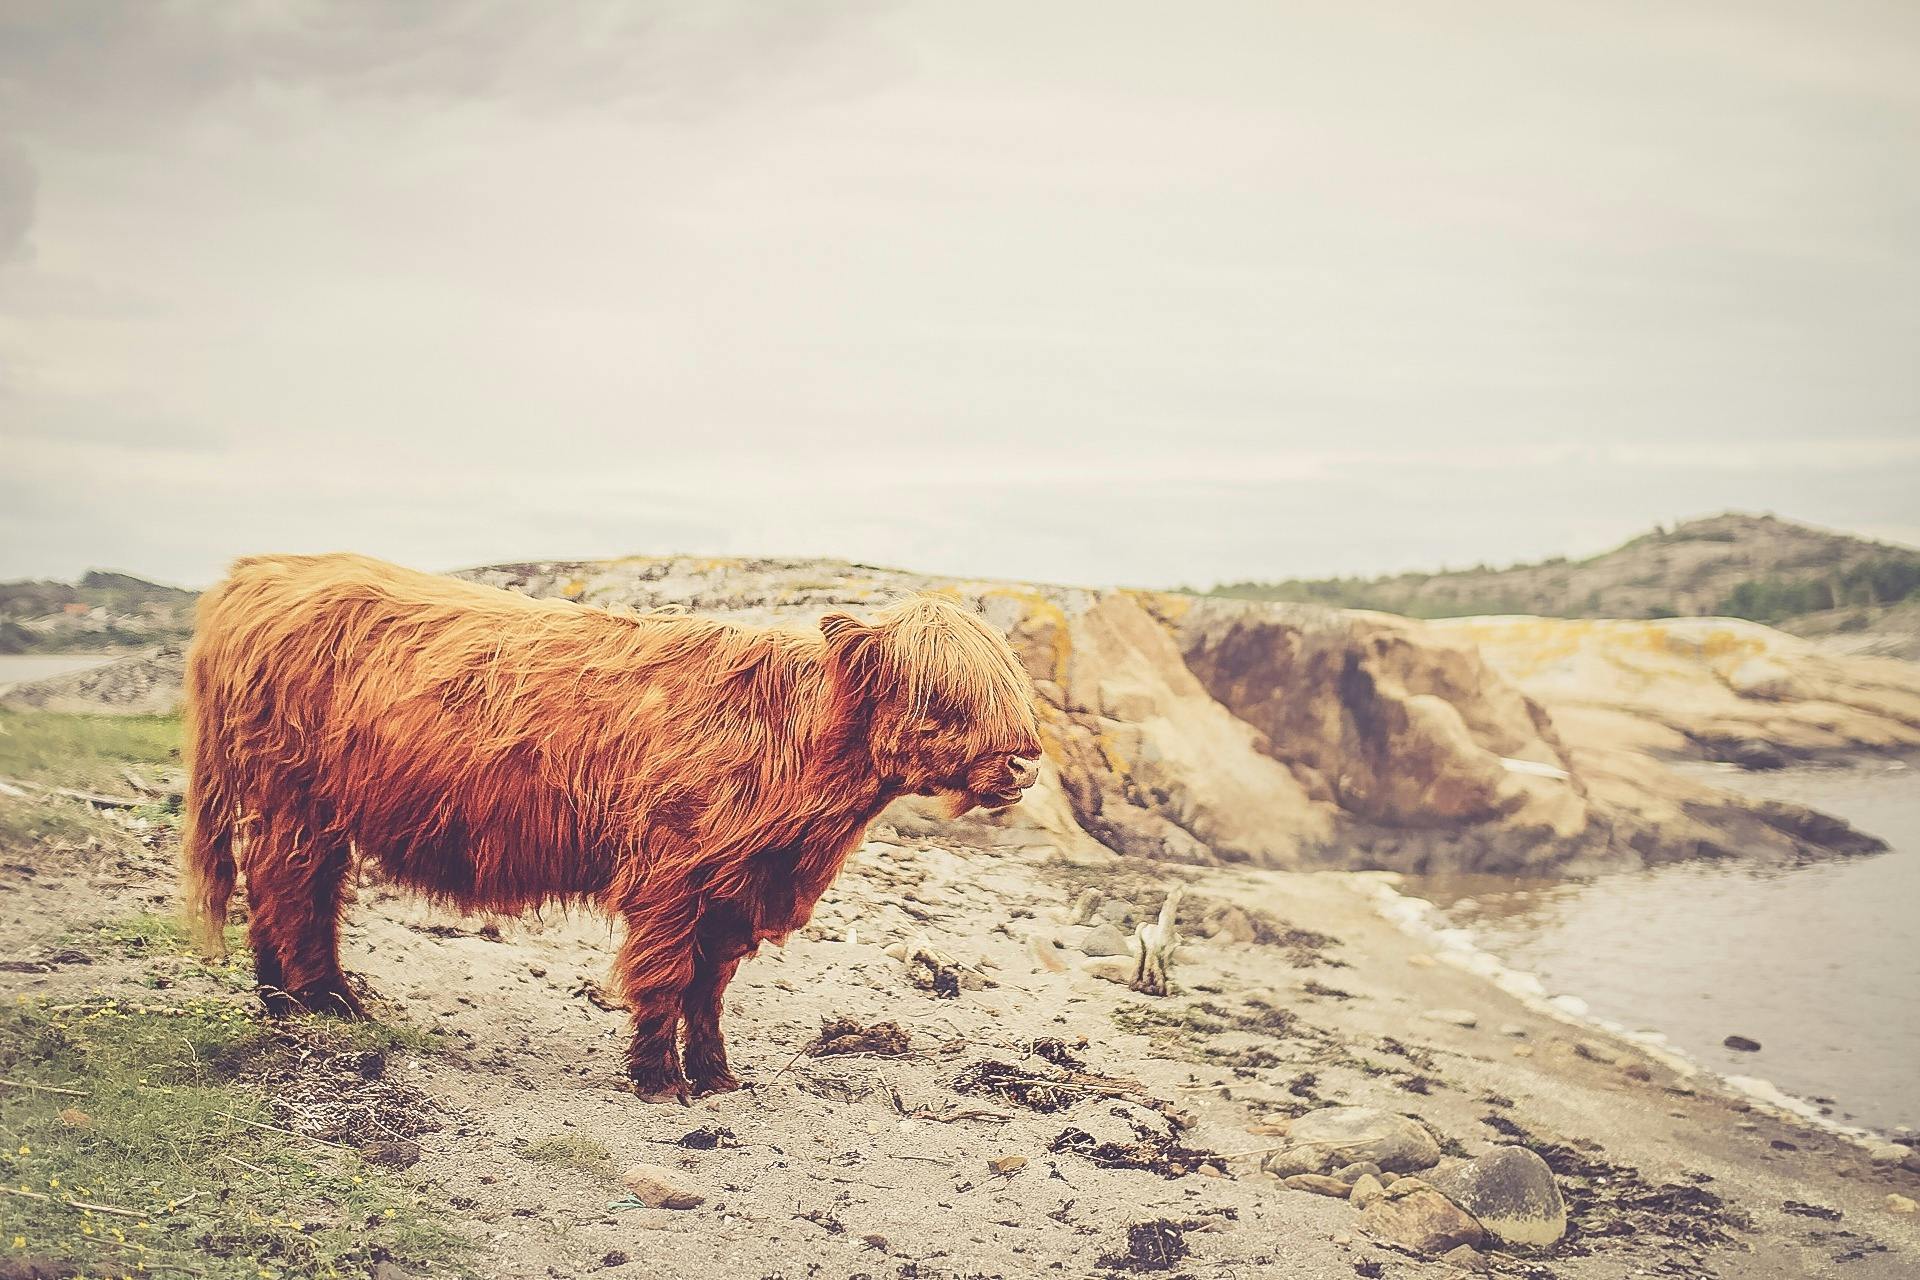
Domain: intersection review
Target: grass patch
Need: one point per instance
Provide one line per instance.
(153, 1164)
(570, 1151)
(87, 752)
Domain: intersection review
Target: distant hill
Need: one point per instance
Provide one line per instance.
(1758, 567)
(103, 611)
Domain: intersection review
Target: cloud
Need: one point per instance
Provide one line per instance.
(18, 189)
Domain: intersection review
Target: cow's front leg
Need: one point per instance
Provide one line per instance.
(654, 970)
(723, 940)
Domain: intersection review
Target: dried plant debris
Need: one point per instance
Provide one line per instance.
(1163, 1154)
(844, 1035)
(1036, 1091)
(1159, 1245)
(322, 1089)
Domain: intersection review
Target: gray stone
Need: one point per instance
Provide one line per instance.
(1104, 940)
(1351, 1173)
(1511, 1191)
(1350, 1135)
(1425, 1221)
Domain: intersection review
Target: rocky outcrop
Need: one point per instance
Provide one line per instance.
(1207, 730)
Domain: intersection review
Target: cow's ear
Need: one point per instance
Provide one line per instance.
(854, 648)
(842, 629)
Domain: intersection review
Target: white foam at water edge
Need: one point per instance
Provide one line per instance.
(1456, 948)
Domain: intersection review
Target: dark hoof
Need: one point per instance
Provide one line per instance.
(663, 1091)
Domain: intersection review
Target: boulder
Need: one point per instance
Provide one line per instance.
(1511, 1191)
(1104, 939)
(1349, 1135)
(1425, 1221)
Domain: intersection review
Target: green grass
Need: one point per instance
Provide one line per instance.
(87, 752)
(570, 1151)
(156, 1129)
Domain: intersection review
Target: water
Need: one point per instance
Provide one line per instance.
(1819, 963)
(19, 668)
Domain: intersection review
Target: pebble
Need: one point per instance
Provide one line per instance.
(1453, 1017)
(1114, 911)
(1319, 1184)
(1104, 939)
(1741, 1043)
(659, 1187)
(1343, 1239)
(1897, 1203)
(1523, 1051)
(1467, 1258)
(1513, 1029)
(1366, 1189)
(1886, 1153)
(1112, 968)
(1637, 1071)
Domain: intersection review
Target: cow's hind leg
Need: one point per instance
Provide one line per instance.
(722, 940)
(654, 969)
(296, 890)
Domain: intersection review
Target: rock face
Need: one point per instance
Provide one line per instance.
(1512, 1193)
(1347, 1135)
(1200, 729)
(1425, 1221)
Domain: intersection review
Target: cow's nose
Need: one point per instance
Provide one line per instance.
(1024, 771)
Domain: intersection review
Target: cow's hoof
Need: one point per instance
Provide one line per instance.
(722, 1081)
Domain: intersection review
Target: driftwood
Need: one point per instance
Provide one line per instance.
(1157, 942)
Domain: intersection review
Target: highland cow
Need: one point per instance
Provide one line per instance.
(701, 780)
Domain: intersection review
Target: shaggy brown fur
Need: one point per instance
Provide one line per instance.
(701, 780)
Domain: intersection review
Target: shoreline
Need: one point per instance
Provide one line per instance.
(1456, 947)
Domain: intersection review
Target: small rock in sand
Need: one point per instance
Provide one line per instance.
(1319, 1184)
(1104, 939)
(1366, 1189)
(1453, 1017)
(1112, 968)
(1897, 1203)
(1511, 1191)
(1741, 1043)
(1231, 924)
(1513, 1029)
(1886, 1153)
(1523, 1051)
(1467, 1258)
(659, 1187)
(1425, 1221)
(1114, 911)
(1637, 1071)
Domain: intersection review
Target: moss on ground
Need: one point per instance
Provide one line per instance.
(134, 1146)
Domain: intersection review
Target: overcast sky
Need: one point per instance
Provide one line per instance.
(1104, 292)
